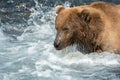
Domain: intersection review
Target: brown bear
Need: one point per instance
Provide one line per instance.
(94, 27)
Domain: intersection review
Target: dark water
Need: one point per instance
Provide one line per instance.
(26, 45)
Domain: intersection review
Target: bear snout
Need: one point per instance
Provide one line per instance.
(57, 45)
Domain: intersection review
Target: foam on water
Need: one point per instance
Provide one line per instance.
(33, 57)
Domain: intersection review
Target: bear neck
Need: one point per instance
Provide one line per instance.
(87, 42)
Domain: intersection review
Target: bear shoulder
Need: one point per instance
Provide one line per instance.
(102, 5)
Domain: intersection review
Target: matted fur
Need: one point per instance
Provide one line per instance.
(94, 27)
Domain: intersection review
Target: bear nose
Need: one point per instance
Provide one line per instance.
(56, 45)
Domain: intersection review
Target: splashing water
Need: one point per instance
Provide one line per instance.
(27, 53)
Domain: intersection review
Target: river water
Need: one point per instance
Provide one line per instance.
(26, 47)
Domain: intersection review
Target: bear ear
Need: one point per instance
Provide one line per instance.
(85, 15)
(59, 8)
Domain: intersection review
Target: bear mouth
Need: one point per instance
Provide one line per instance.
(59, 48)
(62, 45)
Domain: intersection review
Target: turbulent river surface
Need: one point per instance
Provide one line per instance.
(26, 46)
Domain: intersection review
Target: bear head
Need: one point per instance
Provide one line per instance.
(71, 25)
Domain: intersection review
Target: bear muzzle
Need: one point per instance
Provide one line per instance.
(57, 45)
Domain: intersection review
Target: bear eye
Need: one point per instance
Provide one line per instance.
(65, 29)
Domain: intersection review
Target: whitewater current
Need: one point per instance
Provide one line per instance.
(27, 53)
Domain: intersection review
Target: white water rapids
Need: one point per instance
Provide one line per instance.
(31, 56)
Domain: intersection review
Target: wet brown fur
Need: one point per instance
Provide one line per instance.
(96, 27)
